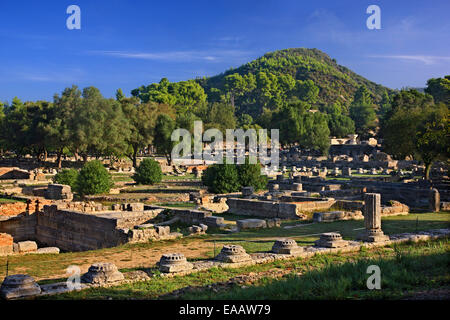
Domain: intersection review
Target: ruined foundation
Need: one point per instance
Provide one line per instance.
(233, 254)
(100, 273)
(331, 240)
(19, 286)
(286, 246)
(174, 262)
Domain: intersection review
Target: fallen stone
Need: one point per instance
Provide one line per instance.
(47, 250)
(251, 224)
(27, 246)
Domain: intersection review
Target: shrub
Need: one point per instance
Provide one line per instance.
(148, 172)
(225, 178)
(93, 179)
(250, 176)
(68, 177)
(221, 178)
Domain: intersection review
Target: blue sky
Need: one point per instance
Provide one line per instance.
(124, 44)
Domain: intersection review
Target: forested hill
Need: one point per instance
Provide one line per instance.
(283, 75)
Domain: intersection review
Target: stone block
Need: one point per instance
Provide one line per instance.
(27, 246)
(137, 206)
(297, 186)
(47, 250)
(214, 221)
(162, 230)
(247, 191)
(251, 224)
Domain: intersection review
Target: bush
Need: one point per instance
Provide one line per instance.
(250, 176)
(67, 177)
(225, 178)
(93, 179)
(148, 172)
(221, 178)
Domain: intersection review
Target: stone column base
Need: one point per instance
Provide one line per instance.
(376, 235)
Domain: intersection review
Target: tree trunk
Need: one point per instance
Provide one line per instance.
(135, 152)
(169, 159)
(58, 159)
(427, 171)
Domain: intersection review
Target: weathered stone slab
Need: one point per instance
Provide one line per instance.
(251, 224)
(101, 273)
(19, 286)
(47, 250)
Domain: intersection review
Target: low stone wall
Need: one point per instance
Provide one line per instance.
(265, 209)
(144, 233)
(336, 216)
(78, 231)
(21, 227)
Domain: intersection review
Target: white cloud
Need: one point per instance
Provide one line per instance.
(422, 58)
(177, 56)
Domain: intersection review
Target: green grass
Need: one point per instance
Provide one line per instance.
(49, 266)
(404, 268)
(409, 269)
(189, 205)
(10, 200)
(188, 176)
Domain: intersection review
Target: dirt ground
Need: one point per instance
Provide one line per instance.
(136, 257)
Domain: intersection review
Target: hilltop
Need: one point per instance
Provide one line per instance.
(269, 79)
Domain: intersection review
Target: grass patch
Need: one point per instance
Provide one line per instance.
(404, 268)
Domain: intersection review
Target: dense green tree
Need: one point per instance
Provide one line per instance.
(316, 134)
(432, 139)
(362, 112)
(93, 179)
(439, 88)
(100, 127)
(339, 124)
(148, 172)
(221, 178)
(67, 177)
(141, 119)
(61, 128)
(250, 175)
(164, 127)
(220, 116)
(183, 95)
(417, 128)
